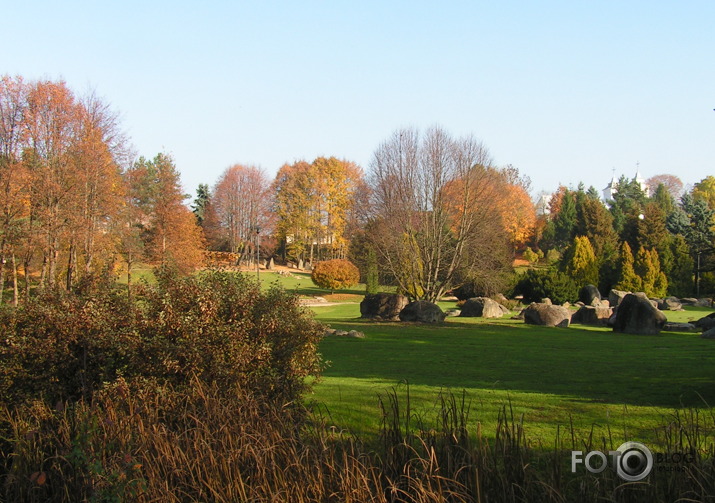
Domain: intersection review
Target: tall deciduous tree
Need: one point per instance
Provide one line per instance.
(100, 190)
(14, 177)
(314, 205)
(515, 207)
(241, 207)
(672, 183)
(53, 120)
(432, 200)
(173, 238)
(705, 190)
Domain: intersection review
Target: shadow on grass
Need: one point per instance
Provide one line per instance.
(669, 370)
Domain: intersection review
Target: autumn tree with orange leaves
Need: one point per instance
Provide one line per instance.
(434, 224)
(61, 185)
(171, 235)
(14, 176)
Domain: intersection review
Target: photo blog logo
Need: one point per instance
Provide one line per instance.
(632, 461)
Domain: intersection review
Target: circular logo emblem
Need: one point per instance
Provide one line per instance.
(635, 461)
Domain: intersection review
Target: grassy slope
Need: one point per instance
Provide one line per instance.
(552, 376)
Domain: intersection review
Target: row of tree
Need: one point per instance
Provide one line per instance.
(432, 213)
(71, 202)
(659, 244)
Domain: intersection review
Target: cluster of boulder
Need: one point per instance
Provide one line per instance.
(625, 312)
(394, 307)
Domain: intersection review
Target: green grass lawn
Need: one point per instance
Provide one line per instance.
(588, 377)
(140, 272)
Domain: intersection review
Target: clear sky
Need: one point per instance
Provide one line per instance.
(565, 91)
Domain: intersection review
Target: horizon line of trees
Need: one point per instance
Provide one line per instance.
(432, 212)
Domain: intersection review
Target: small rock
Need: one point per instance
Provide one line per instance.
(679, 327)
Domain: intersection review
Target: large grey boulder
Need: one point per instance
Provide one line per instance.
(616, 296)
(704, 302)
(481, 307)
(422, 311)
(589, 295)
(592, 315)
(637, 315)
(547, 315)
(383, 306)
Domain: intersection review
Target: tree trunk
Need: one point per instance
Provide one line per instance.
(26, 271)
(129, 276)
(2, 275)
(70, 267)
(43, 271)
(15, 292)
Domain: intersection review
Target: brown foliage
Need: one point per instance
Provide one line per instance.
(240, 206)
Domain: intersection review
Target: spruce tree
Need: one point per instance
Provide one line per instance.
(565, 221)
(680, 275)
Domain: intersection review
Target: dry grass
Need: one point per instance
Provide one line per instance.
(156, 445)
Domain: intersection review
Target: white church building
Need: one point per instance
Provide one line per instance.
(612, 186)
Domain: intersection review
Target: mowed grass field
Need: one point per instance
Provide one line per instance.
(573, 382)
(577, 382)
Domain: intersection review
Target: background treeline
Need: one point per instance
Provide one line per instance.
(661, 244)
(432, 212)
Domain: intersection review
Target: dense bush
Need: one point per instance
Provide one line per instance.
(335, 274)
(536, 284)
(530, 256)
(216, 326)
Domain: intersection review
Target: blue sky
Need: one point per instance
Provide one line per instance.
(565, 91)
